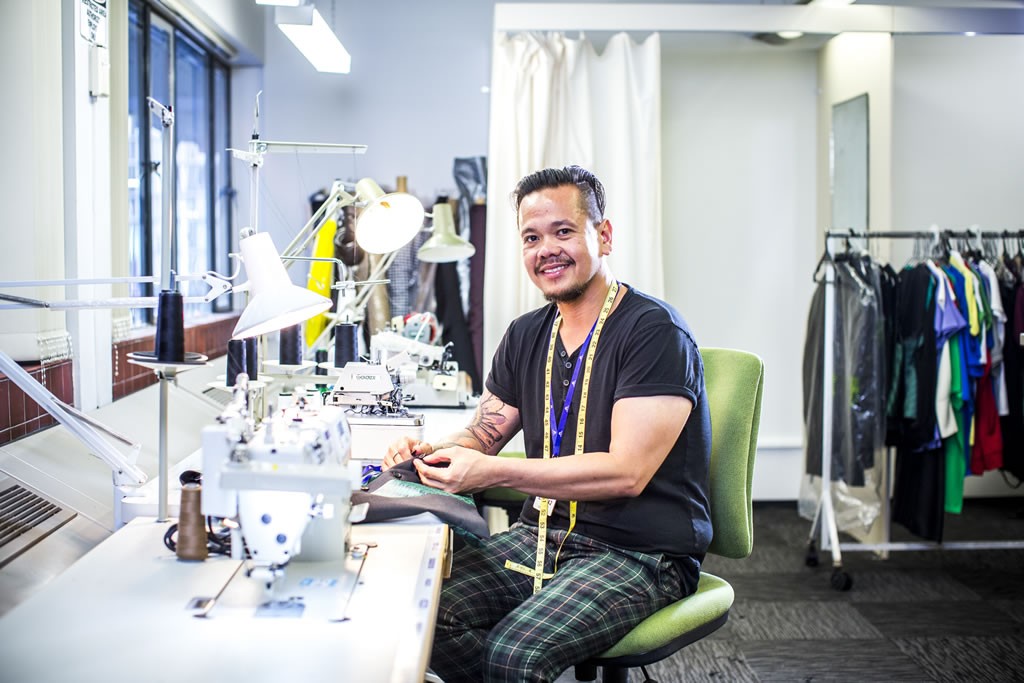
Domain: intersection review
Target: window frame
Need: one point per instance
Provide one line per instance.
(218, 227)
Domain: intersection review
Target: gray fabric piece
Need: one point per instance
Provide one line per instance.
(398, 492)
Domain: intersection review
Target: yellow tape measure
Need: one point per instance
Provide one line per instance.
(546, 506)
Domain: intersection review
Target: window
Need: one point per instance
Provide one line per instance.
(175, 66)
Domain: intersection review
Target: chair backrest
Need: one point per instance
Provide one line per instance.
(734, 381)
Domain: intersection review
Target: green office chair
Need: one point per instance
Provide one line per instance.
(734, 380)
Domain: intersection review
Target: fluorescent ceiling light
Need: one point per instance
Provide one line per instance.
(281, 3)
(790, 35)
(314, 38)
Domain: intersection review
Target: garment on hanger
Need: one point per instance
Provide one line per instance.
(955, 388)
(859, 355)
(1013, 371)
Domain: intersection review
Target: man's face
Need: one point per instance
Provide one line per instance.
(562, 249)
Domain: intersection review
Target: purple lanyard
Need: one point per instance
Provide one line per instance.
(556, 436)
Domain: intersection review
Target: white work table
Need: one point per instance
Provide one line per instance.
(123, 613)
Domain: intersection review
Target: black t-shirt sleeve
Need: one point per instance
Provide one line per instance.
(501, 379)
(661, 360)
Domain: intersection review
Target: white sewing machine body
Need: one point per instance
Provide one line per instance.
(428, 376)
(274, 480)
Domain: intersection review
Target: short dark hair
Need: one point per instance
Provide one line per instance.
(591, 189)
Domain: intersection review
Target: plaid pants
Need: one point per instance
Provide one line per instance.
(490, 626)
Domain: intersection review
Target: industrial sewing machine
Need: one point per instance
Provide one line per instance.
(372, 398)
(283, 487)
(428, 376)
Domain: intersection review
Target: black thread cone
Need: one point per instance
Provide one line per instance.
(170, 327)
(236, 361)
(252, 358)
(289, 347)
(346, 344)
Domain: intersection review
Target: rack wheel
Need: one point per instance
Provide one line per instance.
(811, 558)
(841, 581)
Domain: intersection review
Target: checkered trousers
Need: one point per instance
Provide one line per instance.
(490, 626)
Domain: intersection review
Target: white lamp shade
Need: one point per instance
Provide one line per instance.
(389, 221)
(275, 301)
(444, 246)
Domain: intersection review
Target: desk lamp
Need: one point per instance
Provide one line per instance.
(276, 302)
(445, 245)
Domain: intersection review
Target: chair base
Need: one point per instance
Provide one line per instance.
(616, 669)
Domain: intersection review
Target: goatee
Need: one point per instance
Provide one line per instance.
(571, 294)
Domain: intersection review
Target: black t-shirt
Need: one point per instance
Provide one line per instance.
(645, 349)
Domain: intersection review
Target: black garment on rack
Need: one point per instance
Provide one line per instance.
(453, 323)
(858, 419)
(1013, 370)
(911, 404)
(888, 281)
(919, 484)
(919, 492)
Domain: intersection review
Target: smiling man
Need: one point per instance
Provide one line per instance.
(607, 386)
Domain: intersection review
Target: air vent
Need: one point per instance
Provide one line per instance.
(25, 519)
(218, 395)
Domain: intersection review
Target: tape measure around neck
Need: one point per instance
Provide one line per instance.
(537, 572)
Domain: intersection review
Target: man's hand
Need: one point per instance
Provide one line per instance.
(454, 469)
(405, 449)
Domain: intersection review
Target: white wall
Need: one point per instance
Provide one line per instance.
(852, 64)
(958, 132)
(739, 177)
(413, 96)
(31, 166)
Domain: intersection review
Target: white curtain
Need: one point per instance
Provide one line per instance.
(555, 101)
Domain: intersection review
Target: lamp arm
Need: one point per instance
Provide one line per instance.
(377, 274)
(218, 284)
(126, 472)
(338, 199)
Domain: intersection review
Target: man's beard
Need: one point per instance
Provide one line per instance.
(571, 294)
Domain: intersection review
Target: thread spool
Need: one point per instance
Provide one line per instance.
(321, 357)
(252, 358)
(289, 346)
(170, 327)
(191, 544)
(236, 361)
(346, 344)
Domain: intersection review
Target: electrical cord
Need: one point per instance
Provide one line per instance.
(216, 543)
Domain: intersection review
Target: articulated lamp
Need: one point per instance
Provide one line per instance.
(276, 302)
(445, 245)
(389, 221)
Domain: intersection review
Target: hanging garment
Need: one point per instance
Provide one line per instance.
(911, 401)
(858, 419)
(918, 500)
(1013, 370)
(453, 322)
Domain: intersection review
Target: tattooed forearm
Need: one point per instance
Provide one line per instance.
(490, 428)
(487, 425)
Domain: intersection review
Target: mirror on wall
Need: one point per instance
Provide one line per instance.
(849, 157)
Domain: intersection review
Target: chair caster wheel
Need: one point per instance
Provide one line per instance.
(841, 581)
(811, 558)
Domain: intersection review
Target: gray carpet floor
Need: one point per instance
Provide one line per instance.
(937, 615)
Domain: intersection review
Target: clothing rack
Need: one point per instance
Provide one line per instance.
(824, 518)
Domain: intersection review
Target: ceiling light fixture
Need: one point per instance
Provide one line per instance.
(308, 31)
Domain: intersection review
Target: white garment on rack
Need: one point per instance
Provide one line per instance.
(945, 416)
(999, 337)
